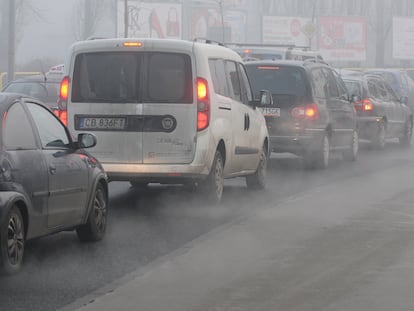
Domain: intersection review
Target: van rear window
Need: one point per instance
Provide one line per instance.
(121, 77)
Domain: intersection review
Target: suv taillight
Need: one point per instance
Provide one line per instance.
(203, 104)
(306, 112)
(364, 105)
(63, 100)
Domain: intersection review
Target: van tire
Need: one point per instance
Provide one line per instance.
(258, 179)
(212, 186)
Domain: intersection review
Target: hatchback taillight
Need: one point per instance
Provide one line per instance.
(203, 104)
(306, 112)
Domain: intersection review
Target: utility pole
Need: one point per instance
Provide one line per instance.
(12, 40)
(126, 21)
(222, 21)
(379, 53)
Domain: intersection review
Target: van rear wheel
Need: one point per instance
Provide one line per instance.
(212, 186)
(258, 179)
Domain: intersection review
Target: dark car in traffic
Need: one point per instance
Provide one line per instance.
(311, 114)
(400, 82)
(380, 113)
(43, 87)
(48, 182)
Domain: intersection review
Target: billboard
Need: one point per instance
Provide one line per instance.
(403, 38)
(285, 30)
(342, 38)
(151, 19)
(205, 22)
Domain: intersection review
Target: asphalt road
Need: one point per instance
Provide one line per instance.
(146, 225)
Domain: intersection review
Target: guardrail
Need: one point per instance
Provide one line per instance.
(3, 76)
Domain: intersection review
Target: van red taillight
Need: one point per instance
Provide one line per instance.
(64, 89)
(203, 104)
(307, 112)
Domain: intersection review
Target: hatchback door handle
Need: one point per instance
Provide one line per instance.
(52, 169)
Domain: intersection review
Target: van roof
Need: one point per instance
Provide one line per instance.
(177, 45)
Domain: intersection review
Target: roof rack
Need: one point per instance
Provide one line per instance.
(208, 41)
(291, 46)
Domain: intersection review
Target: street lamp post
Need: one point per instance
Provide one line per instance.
(12, 40)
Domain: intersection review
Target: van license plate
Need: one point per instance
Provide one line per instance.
(102, 123)
(270, 112)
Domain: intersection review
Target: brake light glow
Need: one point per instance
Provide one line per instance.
(203, 104)
(132, 44)
(63, 116)
(64, 88)
(367, 105)
(246, 51)
(307, 112)
(268, 67)
(364, 105)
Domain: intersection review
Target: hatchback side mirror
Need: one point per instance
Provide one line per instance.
(86, 140)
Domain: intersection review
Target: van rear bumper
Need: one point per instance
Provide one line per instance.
(155, 173)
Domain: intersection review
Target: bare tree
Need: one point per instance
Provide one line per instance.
(87, 14)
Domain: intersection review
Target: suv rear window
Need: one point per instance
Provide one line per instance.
(132, 77)
(277, 79)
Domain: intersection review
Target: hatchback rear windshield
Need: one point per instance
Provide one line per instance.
(132, 77)
(279, 80)
(47, 92)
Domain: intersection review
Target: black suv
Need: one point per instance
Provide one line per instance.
(311, 114)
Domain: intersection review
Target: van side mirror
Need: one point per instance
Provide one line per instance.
(355, 98)
(404, 100)
(266, 98)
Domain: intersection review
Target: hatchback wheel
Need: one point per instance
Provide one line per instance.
(258, 179)
(352, 152)
(379, 141)
(12, 242)
(405, 140)
(212, 186)
(95, 227)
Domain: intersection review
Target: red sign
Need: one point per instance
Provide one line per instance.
(342, 38)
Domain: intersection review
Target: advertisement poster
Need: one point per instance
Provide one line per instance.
(342, 38)
(403, 38)
(207, 23)
(151, 19)
(285, 30)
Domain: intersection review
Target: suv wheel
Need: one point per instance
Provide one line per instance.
(95, 226)
(379, 141)
(12, 242)
(320, 158)
(405, 140)
(351, 153)
(212, 186)
(258, 179)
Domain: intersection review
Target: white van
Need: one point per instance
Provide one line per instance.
(166, 111)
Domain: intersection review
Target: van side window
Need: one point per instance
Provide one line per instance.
(218, 75)
(233, 78)
(245, 85)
